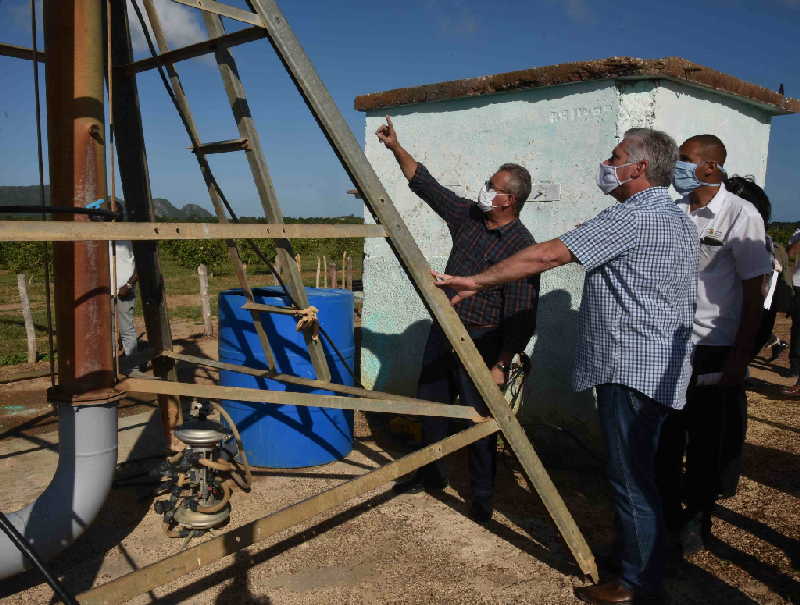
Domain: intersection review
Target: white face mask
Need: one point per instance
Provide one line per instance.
(485, 198)
(607, 179)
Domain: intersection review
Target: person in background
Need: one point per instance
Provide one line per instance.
(123, 288)
(793, 252)
(782, 299)
(500, 322)
(634, 341)
(735, 421)
(746, 188)
(733, 261)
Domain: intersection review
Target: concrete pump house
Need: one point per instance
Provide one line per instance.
(559, 122)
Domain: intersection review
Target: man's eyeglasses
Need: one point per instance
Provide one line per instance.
(488, 185)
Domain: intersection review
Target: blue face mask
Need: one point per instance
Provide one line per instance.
(685, 180)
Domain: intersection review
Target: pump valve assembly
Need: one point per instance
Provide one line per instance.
(199, 480)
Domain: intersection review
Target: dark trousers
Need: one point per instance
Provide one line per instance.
(710, 432)
(442, 379)
(631, 424)
(794, 336)
(765, 329)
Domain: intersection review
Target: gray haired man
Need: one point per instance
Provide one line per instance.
(634, 343)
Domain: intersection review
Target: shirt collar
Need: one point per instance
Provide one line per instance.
(655, 190)
(713, 207)
(716, 203)
(501, 230)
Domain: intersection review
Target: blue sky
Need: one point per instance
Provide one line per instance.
(361, 46)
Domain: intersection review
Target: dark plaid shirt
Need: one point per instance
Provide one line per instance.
(475, 249)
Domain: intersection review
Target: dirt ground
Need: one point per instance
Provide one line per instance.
(384, 548)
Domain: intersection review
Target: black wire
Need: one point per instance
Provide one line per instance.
(40, 157)
(207, 169)
(26, 549)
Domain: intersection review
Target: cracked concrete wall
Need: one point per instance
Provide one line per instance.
(560, 134)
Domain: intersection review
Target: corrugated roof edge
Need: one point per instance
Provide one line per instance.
(672, 68)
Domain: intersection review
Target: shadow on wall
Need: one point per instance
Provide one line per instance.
(555, 415)
(397, 356)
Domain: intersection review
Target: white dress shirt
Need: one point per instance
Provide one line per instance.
(732, 249)
(123, 252)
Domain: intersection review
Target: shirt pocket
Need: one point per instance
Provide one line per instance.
(708, 255)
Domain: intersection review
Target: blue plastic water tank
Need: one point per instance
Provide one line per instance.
(287, 436)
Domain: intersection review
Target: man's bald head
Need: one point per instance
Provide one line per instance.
(709, 147)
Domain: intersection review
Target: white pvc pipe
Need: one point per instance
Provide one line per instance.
(87, 456)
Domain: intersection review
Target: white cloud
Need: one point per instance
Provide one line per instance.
(181, 25)
(578, 10)
(455, 17)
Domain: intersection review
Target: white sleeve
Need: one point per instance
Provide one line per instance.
(795, 238)
(747, 241)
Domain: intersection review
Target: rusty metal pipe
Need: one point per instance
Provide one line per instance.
(85, 396)
(75, 34)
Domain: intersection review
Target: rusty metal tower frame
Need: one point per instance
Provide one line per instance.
(74, 233)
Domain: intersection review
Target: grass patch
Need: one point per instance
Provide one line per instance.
(178, 281)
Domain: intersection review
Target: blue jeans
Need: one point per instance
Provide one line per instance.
(631, 425)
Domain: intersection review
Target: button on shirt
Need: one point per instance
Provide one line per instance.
(635, 319)
(732, 249)
(475, 249)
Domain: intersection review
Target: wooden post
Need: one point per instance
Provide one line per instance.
(129, 139)
(324, 271)
(344, 269)
(349, 272)
(316, 279)
(278, 271)
(30, 332)
(333, 275)
(298, 259)
(202, 274)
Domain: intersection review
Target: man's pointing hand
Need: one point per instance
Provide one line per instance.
(386, 134)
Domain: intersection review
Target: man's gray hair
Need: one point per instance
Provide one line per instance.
(519, 183)
(657, 148)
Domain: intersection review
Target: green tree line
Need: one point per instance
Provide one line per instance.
(29, 257)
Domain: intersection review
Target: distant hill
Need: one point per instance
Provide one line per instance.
(165, 209)
(29, 196)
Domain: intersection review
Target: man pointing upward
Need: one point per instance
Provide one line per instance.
(501, 321)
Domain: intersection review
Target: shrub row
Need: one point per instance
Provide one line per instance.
(29, 257)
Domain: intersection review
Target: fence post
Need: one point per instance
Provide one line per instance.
(333, 275)
(324, 271)
(316, 279)
(30, 332)
(350, 272)
(202, 273)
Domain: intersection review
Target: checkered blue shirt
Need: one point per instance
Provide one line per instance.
(635, 320)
